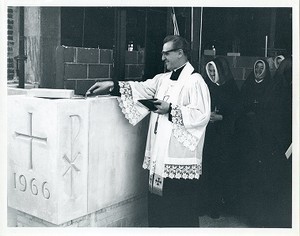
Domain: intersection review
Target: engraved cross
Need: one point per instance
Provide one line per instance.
(75, 129)
(31, 138)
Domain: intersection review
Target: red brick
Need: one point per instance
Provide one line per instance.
(98, 71)
(87, 55)
(75, 70)
(106, 56)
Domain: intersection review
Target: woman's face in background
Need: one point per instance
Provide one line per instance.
(259, 68)
(211, 71)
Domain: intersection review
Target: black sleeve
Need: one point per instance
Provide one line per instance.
(116, 90)
(170, 109)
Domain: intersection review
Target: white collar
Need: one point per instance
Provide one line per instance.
(179, 67)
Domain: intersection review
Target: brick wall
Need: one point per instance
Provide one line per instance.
(12, 23)
(79, 68)
(134, 65)
(241, 66)
(129, 213)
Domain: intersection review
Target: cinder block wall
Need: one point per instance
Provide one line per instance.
(241, 66)
(79, 68)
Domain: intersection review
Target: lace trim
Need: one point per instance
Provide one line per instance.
(179, 131)
(176, 115)
(182, 171)
(127, 104)
(176, 171)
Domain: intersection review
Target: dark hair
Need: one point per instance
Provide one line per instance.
(179, 43)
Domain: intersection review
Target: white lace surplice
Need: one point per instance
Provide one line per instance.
(175, 151)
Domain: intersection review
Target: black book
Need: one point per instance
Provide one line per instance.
(149, 103)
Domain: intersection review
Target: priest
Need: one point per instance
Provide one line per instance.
(176, 133)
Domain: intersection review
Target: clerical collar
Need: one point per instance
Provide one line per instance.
(175, 73)
(180, 67)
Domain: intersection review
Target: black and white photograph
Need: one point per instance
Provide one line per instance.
(149, 118)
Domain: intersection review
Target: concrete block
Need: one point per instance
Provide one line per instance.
(73, 71)
(98, 71)
(131, 57)
(83, 86)
(70, 84)
(106, 56)
(69, 54)
(87, 55)
(134, 71)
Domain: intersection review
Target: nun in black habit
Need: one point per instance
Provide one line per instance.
(219, 173)
(277, 137)
(259, 149)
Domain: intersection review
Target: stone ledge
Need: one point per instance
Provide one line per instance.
(131, 212)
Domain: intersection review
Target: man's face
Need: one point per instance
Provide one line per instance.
(170, 56)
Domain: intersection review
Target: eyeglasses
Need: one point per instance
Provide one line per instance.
(166, 53)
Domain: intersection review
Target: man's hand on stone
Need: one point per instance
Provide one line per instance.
(100, 88)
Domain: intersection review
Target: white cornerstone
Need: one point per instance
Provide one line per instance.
(68, 158)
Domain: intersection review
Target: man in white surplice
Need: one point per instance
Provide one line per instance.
(176, 132)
